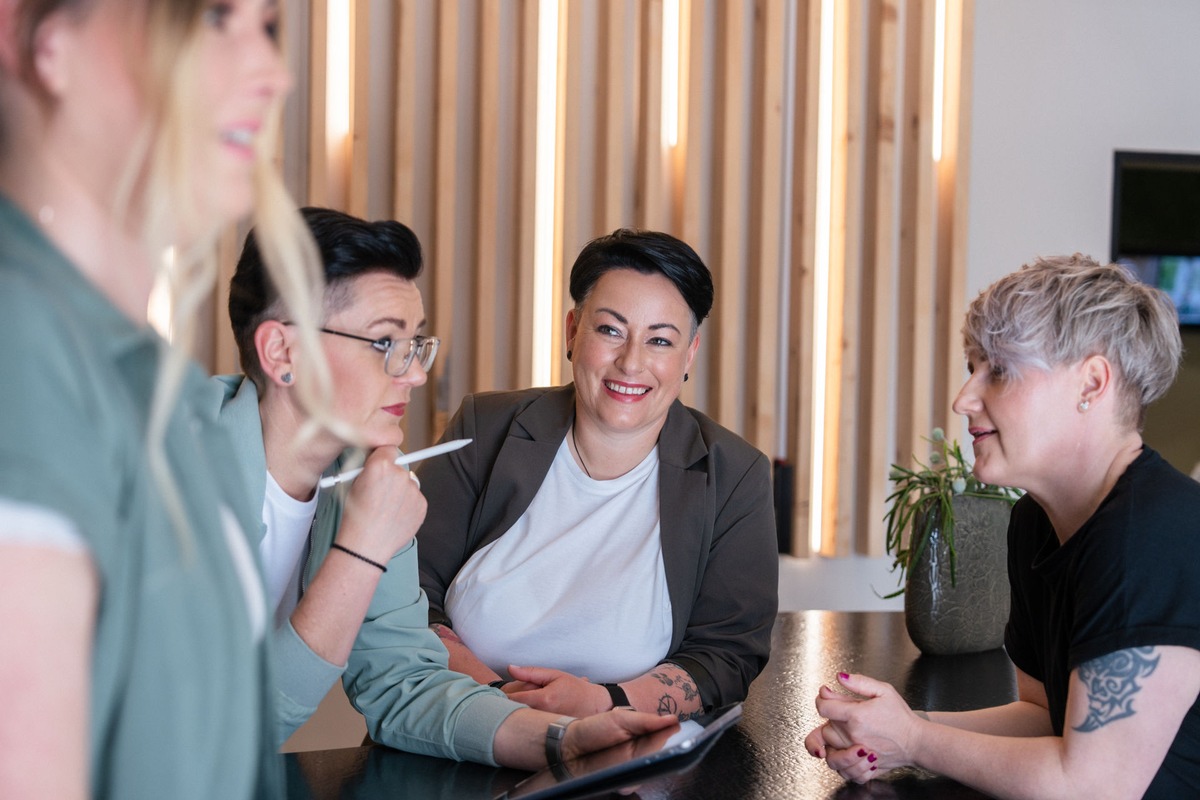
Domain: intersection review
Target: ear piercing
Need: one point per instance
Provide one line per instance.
(568, 355)
(1083, 405)
(286, 377)
(685, 377)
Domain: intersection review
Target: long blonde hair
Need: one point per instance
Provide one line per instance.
(159, 188)
(290, 254)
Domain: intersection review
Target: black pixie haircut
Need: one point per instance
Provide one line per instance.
(349, 247)
(647, 252)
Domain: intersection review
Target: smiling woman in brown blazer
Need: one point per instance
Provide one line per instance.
(603, 528)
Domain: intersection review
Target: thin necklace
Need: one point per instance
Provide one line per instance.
(579, 453)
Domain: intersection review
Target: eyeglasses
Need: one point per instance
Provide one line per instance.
(422, 348)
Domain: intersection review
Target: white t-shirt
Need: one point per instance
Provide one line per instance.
(576, 584)
(284, 546)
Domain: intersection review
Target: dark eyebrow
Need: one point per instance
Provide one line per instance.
(656, 326)
(402, 324)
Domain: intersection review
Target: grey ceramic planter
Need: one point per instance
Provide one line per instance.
(969, 616)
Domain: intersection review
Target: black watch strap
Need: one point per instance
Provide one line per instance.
(619, 698)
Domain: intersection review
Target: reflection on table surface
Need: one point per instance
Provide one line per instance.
(762, 758)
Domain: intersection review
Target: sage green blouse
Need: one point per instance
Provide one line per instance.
(179, 699)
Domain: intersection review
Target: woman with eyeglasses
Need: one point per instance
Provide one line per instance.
(327, 552)
(320, 584)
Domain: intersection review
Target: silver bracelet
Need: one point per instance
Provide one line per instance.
(555, 733)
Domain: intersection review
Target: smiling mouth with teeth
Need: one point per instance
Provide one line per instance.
(614, 387)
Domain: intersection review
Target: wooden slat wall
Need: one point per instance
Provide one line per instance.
(911, 264)
(739, 186)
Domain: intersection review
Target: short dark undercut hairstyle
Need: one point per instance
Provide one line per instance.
(650, 253)
(349, 247)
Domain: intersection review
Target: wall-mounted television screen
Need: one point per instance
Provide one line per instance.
(1156, 223)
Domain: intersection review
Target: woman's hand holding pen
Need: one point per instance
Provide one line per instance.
(384, 508)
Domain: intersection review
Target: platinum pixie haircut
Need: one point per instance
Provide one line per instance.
(1062, 309)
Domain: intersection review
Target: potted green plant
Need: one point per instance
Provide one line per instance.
(941, 522)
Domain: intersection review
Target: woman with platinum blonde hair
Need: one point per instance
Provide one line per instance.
(134, 661)
(1065, 355)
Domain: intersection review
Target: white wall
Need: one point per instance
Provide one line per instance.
(1059, 85)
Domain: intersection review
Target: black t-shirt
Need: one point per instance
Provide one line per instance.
(1130, 577)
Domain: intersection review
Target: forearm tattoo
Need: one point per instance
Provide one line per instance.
(668, 703)
(1111, 683)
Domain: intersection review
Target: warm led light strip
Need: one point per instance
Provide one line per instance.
(821, 257)
(337, 72)
(544, 173)
(670, 73)
(939, 75)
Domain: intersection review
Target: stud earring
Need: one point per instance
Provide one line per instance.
(568, 355)
(685, 377)
(286, 377)
(1083, 405)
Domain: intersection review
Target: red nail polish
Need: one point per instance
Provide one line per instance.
(844, 676)
(872, 758)
(861, 753)
(872, 769)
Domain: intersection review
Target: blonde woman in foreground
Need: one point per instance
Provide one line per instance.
(132, 620)
(1065, 355)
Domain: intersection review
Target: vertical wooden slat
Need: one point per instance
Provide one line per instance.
(445, 235)
(407, 76)
(924, 284)
(559, 290)
(225, 354)
(960, 27)
(851, 343)
(803, 249)
(771, 32)
(318, 148)
(651, 181)
(582, 150)
(696, 176)
(878, 293)
(913, 143)
(832, 485)
(731, 315)
(296, 122)
(527, 143)
(487, 196)
(359, 144)
(613, 112)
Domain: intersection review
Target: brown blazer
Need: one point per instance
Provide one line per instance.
(717, 523)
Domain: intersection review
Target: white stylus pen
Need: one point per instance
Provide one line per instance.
(402, 461)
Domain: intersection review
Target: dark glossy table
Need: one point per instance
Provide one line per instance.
(763, 758)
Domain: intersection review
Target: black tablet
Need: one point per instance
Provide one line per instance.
(639, 759)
